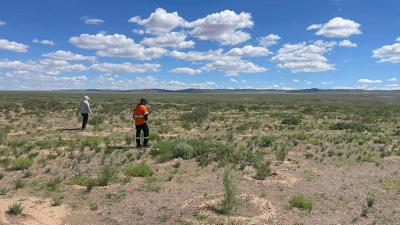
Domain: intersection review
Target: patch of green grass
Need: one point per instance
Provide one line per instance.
(3, 191)
(21, 163)
(139, 170)
(302, 202)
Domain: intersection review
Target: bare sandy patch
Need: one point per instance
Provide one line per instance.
(251, 210)
(33, 212)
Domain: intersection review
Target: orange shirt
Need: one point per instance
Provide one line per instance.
(138, 114)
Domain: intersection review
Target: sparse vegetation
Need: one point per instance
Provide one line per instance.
(286, 144)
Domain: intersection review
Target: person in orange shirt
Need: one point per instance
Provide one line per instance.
(140, 115)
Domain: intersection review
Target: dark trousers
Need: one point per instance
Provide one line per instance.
(85, 120)
(145, 129)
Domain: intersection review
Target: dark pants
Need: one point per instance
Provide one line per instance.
(85, 120)
(145, 129)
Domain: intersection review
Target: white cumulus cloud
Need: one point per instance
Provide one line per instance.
(393, 79)
(124, 67)
(189, 71)
(45, 42)
(305, 58)
(249, 51)
(173, 39)
(116, 46)
(233, 80)
(233, 68)
(68, 56)
(269, 40)
(89, 20)
(337, 28)
(368, 81)
(2, 23)
(159, 22)
(388, 53)
(295, 80)
(347, 43)
(12, 46)
(224, 27)
(46, 66)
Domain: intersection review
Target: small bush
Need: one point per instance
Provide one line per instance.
(52, 185)
(21, 163)
(1, 176)
(291, 120)
(3, 191)
(140, 170)
(267, 141)
(163, 151)
(18, 183)
(263, 170)
(97, 120)
(370, 201)
(301, 202)
(15, 208)
(183, 150)
(230, 201)
(106, 175)
(56, 201)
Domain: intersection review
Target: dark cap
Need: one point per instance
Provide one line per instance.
(144, 100)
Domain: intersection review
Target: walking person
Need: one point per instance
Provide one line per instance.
(140, 115)
(84, 110)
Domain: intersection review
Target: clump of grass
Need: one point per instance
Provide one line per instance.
(301, 202)
(230, 201)
(93, 206)
(364, 211)
(52, 184)
(3, 191)
(3, 134)
(105, 175)
(281, 152)
(263, 169)
(56, 201)
(21, 163)
(139, 170)
(1, 176)
(291, 120)
(15, 209)
(18, 184)
(370, 201)
(267, 141)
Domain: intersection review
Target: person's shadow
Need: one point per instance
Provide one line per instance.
(69, 129)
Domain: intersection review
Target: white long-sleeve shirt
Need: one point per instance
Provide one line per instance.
(84, 107)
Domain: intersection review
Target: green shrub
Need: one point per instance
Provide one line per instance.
(183, 150)
(3, 134)
(267, 141)
(230, 201)
(163, 151)
(139, 170)
(106, 175)
(354, 126)
(97, 120)
(263, 170)
(21, 163)
(15, 208)
(291, 120)
(301, 202)
(81, 180)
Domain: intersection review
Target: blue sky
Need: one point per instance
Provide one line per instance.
(175, 44)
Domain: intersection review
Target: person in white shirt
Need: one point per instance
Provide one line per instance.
(84, 110)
